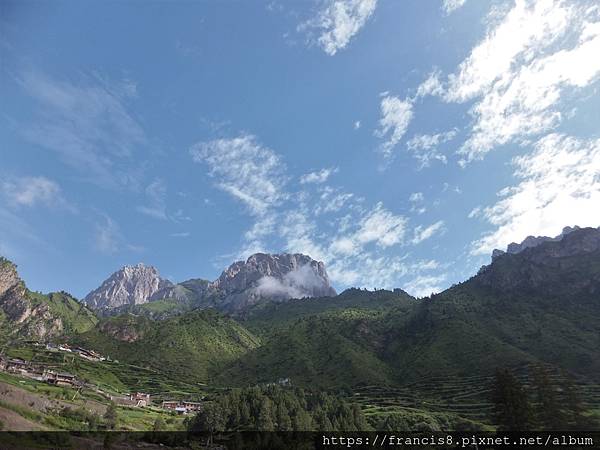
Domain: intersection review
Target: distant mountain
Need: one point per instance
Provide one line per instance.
(243, 284)
(131, 285)
(541, 305)
(31, 315)
(538, 305)
(274, 277)
(532, 241)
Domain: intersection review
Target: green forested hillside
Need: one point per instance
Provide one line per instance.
(389, 351)
(193, 346)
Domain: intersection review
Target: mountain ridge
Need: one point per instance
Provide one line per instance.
(277, 277)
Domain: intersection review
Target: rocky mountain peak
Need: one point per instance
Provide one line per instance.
(9, 278)
(276, 276)
(131, 285)
(262, 276)
(536, 263)
(532, 241)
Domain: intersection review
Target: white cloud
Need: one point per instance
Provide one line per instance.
(245, 169)
(475, 212)
(422, 234)
(88, 126)
(156, 196)
(332, 200)
(424, 285)
(352, 239)
(107, 237)
(357, 125)
(452, 5)
(424, 147)
(417, 199)
(317, 177)
(431, 86)
(396, 115)
(338, 22)
(531, 57)
(559, 185)
(381, 226)
(32, 191)
(298, 283)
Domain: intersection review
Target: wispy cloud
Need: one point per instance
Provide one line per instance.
(88, 125)
(244, 168)
(530, 58)
(155, 194)
(318, 177)
(338, 22)
(559, 181)
(34, 191)
(424, 147)
(423, 233)
(450, 6)
(417, 200)
(396, 115)
(354, 237)
(431, 86)
(107, 236)
(424, 285)
(109, 239)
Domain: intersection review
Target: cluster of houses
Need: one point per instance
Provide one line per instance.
(21, 367)
(140, 400)
(182, 407)
(90, 355)
(27, 369)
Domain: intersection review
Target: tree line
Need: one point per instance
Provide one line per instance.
(546, 403)
(275, 408)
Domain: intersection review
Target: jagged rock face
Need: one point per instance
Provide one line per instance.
(261, 276)
(9, 278)
(34, 320)
(276, 277)
(565, 265)
(532, 241)
(132, 285)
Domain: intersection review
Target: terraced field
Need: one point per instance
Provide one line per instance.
(111, 376)
(467, 397)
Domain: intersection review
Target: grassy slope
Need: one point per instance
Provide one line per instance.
(472, 328)
(192, 347)
(76, 317)
(321, 342)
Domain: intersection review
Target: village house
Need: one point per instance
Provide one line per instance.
(170, 405)
(15, 365)
(59, 379)
(182, 407)
(139, 399)
(89, 354)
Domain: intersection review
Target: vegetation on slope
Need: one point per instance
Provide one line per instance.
(193, 346)
(273, 408)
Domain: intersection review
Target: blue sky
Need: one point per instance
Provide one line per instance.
(398, 142)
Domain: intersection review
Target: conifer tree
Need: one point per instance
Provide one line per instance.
(511, 404)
